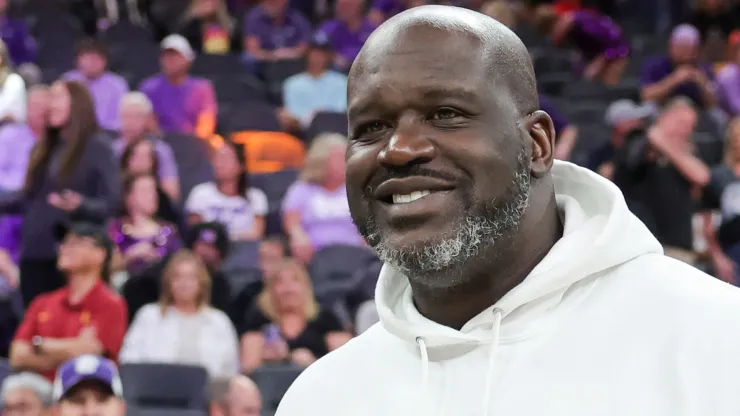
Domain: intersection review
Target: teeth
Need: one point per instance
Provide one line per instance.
(413, 196)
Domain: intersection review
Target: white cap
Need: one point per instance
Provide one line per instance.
(626, 110)
(179, 44)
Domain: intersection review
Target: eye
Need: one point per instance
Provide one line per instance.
(445, 114)
(369, 128)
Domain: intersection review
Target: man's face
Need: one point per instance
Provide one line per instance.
(91, 64)
(436, 167)
(23, 402)
(173, 63)
(684, 53)
(134, 120)
(91, 399)
(78, 253)
(678, 122)
(208, 253)
(38, 108)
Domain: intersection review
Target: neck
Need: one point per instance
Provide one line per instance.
(137, 219)
(176, 79)
(489, 280)
(187, 308)
(353, 23)
(80, 285)
(229, 187)
(315, 71)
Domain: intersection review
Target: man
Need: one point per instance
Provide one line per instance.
(25, 394)
(236, 396)
(512, 285)
(84, 317)
(14, 32)
(89, 385)
(273, 31)
(660, 171)
(679, 73)
(348, 32)
(317, 89)
(728, 81)
(137, 119)
(182, 103)
(106, 88)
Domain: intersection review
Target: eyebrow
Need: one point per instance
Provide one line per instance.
(430, 93)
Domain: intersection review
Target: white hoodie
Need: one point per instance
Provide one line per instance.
(604, 325)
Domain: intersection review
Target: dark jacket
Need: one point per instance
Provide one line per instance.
(96, 178)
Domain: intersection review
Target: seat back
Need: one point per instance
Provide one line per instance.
(273, 382)
(267, 152)
(164, 386)
(191, 155)
(327, 122)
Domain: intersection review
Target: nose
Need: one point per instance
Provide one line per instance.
(407, 146)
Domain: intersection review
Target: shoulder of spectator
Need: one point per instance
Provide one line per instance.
(119, 80)
(219, 318)
(148, 83)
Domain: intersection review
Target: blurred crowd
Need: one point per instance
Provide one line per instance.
(172, 196)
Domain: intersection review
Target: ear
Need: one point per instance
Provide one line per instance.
(542, 134)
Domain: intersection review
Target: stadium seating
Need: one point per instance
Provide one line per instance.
(273, 382)
(150, 386)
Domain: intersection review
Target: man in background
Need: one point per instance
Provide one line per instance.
(235, 396)
(89, 385)
(25, 394)
(84, 317)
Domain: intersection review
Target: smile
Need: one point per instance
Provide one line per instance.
(408, 198)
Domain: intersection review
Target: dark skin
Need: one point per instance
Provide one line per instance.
(450, 92)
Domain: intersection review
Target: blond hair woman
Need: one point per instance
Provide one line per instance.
(182, 328)
(315, 209)
(286, 323)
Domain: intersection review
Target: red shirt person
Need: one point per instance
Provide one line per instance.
(84, 317)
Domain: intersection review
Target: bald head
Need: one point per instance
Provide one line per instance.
(495, 49)
(235, 396)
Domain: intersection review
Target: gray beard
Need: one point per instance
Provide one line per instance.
(439, 264)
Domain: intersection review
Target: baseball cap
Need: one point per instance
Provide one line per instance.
(686, 33)
(626, 110)
(211, 233)
(179, 44)
(83, 368)
(85, 229)
(320, 41)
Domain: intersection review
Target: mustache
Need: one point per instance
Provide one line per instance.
(384, 174)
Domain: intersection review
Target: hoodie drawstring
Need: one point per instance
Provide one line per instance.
(498, 315)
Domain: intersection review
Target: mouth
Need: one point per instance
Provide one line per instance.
(409, 198)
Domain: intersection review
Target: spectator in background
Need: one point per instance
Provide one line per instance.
(714, 16)
(272, 252)
(140, 158)
(566, 134)
(89, 385)
(347, 32)
(728, 86)
(137, 120)
(666, 171)
(229, 199)
(317, 89)
(234, 396)
(273, 31)
(209, 28)
(315, 209)
(382, 10)
(141, 237)
(680, 72)
(70, 175)
(84, 317)
(26, 394)
(597, 38)
(624, 117)
(287, 323)
(14, 33)
(182, 103)
(106, 88)
(209, 241)
(12, 90)
(183, 328)
(502, 11)
(722, 193)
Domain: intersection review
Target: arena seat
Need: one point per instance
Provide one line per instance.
(127, 32)
(137, 411)
(193, 165)
(242, 255)
(327, 122)
(332, 269)
(249, 116)
(238, 88)
(164, 386)
(273, 381)
(5, 369)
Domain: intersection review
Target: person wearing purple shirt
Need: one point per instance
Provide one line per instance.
(679, 73)
(106, 88)
(182, 103)
(274, 31)
(728, 87)
(566, 134)
(15, 34)
(315, 209)
(348, 32)
(136, 117)
(382, 10)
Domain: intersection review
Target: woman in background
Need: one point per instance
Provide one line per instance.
(70, 176)
(12, 90)
(209, 28)
(315, 209)
(142, 238)
(287, 324)
(183, 328)
(597, 38)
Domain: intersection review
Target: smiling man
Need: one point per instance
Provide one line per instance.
(512, 285)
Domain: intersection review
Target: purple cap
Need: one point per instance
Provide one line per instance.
(686, 34)
(87, 367)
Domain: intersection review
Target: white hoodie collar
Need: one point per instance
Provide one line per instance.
(599, 233)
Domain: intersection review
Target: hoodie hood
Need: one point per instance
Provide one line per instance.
(599, 233)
